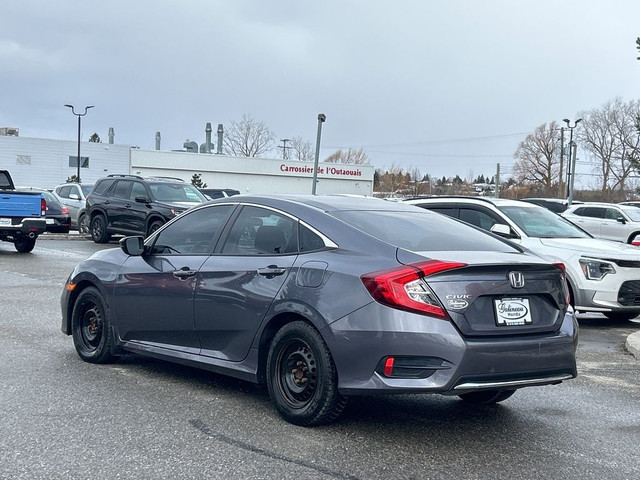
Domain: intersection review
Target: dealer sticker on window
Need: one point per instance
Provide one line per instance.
(512, 311)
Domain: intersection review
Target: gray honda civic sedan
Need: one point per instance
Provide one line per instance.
(322, 297)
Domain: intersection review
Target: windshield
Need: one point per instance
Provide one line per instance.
(422, 231)
(541, 223)
(176, 192)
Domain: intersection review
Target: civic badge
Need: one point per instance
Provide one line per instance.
(516, 279)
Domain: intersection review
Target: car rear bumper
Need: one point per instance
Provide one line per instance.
(363, 340)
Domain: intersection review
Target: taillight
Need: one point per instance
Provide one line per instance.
(565, 285)
(65, 210)
(43, 207)
(404, 287)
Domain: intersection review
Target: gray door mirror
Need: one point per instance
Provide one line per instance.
(133, 246)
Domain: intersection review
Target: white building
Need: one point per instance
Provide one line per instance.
(45, 163)
(254, 175)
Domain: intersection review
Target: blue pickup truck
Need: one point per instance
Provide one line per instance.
(21, 215)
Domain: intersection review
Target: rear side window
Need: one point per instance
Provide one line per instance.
(103, 186)
(422, 231)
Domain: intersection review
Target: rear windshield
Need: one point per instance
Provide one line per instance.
(422, 231)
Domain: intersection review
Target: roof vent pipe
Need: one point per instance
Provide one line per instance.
(112, 135)
(158, 140)
(220, 133)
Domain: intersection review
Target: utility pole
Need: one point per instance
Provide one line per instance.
(321, 119)
(496, 193)
(571, 165)
(284, 148)
(560, 182)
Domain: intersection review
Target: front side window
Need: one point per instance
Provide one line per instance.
(64, 192)
(194, 233)
(122, 189)
(138, 190)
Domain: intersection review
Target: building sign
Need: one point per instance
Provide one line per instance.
(338, 170)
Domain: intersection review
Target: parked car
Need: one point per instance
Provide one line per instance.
(56, 215)
(556, 205)
(213, 193)
(325, 297)
(130, 204)
(74, 197)
(603, 276)
(21, 215)
(606, 220)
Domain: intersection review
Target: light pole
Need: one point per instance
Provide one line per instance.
(79, 115)
(571, 164)
(321, 119)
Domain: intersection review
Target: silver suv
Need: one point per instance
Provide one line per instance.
(74, 197)
(603, 276)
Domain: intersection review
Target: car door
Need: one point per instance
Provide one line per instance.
(612, 228)
(590, 219)
(154, 294)
(74, 202)
(238, 284)
(114, 205)
(134, 213)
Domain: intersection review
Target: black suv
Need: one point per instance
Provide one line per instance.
(133, 205)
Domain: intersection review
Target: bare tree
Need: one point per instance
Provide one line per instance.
(248, 138)
(302, 150)
(392, 180)
(348, 156)
(610, 135)
(537, 158)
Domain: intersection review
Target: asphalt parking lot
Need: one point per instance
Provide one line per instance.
(143, 418)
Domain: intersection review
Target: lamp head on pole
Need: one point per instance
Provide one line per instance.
(566, 120)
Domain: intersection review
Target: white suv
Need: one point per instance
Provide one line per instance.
(603, 276)
(606, 220)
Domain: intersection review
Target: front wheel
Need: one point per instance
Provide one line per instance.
(99, 230)
(301, 376)
(92, 336)
(487, 397)
(154, 226)
(24, 244)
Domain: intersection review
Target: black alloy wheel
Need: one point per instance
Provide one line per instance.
(301, 376)
(83, 224)
(92, 336)
(99, 230)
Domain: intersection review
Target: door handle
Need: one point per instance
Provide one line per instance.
(271, 271)
(184, 272)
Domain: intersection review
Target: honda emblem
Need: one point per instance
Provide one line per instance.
(516, 279)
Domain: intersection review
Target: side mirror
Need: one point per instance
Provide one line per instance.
(621, 220)
(133, 246)
(74, 196)
(143, 200)
(501, 229)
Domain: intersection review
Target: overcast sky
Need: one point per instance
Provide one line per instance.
(450, 87)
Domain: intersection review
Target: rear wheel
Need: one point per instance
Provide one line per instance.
(83, 224)
(487, 397)
(24, 244)
(301, 376)
(92, 336)
(621, 316)
(99, 230)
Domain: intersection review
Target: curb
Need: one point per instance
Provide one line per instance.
(633, 344)
(64, 236)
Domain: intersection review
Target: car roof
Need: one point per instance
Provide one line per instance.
(463, 198)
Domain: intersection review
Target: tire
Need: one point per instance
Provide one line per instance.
(83, 224)
(301, 376)
(487, 397)
(24, 244)
(92, 336)
(621, 316)
(99, 230)
(154, 226)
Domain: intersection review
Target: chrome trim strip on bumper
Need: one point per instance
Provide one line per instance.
(513, 383)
